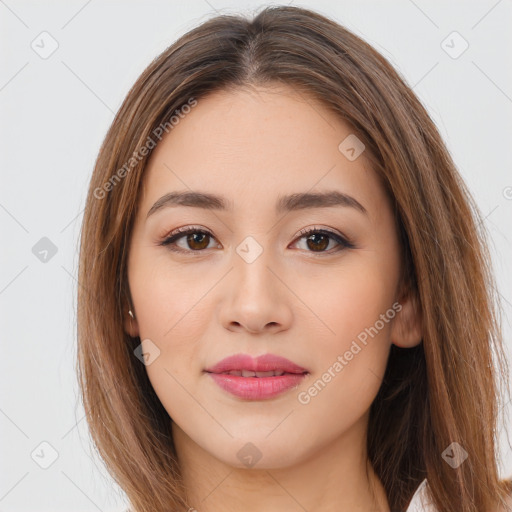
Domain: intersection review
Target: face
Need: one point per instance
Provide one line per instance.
(257, 274)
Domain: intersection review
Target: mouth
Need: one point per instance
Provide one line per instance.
(249, 373)
(258, 378)
(249, 366)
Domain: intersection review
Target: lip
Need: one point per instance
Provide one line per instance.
(253, 387)
(264, 363)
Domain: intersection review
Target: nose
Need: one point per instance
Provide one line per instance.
(256, 299)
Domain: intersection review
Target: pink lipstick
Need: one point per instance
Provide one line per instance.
(256, 378)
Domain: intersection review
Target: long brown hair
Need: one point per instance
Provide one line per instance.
(444, 390)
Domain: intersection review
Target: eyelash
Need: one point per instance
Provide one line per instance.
(169, 241)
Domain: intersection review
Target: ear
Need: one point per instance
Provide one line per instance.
(131, 326)
(406, 329)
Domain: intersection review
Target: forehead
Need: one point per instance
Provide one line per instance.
(267, 141)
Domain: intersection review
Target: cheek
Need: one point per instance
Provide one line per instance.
(174, 321)
(170, 314)
(346, 301)
(354, 315)
(166, 297)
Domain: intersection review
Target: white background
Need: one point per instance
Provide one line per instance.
(54, 115)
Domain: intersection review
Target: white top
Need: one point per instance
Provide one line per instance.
(419, 501)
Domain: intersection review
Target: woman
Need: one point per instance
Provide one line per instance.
(287, 303)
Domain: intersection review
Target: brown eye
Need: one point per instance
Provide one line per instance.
(318, 240)
(198, 241)
(195, 240)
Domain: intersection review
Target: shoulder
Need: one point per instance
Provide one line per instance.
(507, 484)
(507, 507)
(420, 501)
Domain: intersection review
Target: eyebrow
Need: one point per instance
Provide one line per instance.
(288, 203)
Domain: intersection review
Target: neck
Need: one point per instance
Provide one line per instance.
(337, 478)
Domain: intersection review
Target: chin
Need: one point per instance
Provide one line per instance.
(256, 452)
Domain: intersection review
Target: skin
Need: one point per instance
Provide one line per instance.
(252, 146)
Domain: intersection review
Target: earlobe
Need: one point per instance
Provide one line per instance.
(131, 325)
(406, 330)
